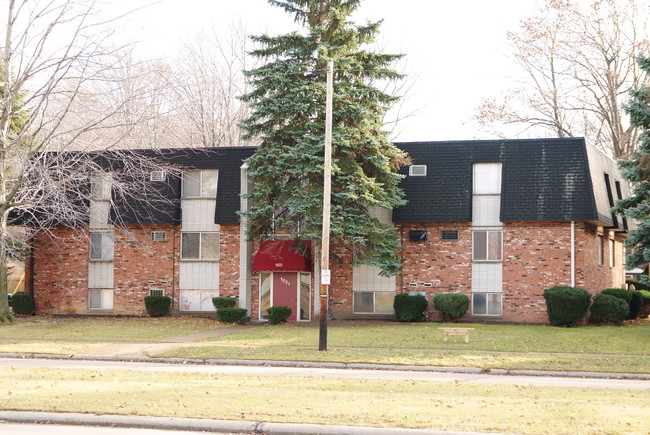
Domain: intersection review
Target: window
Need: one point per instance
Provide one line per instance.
(486, 304)
(100, 299)
(373, 302)
(200, 184)
(487, 178)
(156, 292)
(417, 170)
(486, 246)
(101, 246)
(601, 250)
(200, 246)
(612, 258)
(100, 186)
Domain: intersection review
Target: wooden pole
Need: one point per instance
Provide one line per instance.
(327, 194)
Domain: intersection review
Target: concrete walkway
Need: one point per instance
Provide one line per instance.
(149, 349)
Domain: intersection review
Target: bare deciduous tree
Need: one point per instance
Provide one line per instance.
(578, 61)
(53, 64)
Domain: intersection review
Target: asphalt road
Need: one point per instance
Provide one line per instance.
(321, 372)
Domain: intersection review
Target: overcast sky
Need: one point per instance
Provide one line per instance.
(456, 51)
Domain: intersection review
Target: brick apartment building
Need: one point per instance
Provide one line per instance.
(499, 221)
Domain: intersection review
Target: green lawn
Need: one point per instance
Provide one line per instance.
(623, 349)
(357, 402)
(108, 329)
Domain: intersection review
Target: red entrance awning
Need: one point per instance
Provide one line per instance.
(283, 256)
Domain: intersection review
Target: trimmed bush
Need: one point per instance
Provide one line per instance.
(278, 314)
(22, 303)
(451, 306)
(620, 293)
(409, 308)
(608, 309)
(645, 306)
(638, 285)
(635, 305)
(157, 306)
(224, 302)
(232, 315)
(566, 305)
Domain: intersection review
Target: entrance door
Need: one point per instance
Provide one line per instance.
(285, 291)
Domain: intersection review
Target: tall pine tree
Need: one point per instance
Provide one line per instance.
(288, 115)
(637, 171)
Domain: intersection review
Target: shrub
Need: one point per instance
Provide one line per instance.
(635, 305)
(638, 285)
(22, 303)
(451, 306)
(620, 293)
(645, 306)
(232, 315)
(566, 305)
(608, 308)
(278, 314)
(223, 302)
(409, 308)
(157, 306)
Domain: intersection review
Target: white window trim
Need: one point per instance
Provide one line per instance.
(487, 314)
(201, 172)
(374, 303)
(101, 299)
(487, 247)
(207, 260)
(90, 248)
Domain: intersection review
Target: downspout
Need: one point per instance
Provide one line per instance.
(31, 275)
(573, 254)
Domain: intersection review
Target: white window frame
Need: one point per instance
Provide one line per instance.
(488, 296)
(487, 245)
(374, 302)
(200, 247)
(104, 237)
(203, 192)
(601, 250)
(612, 255)
(102, 299)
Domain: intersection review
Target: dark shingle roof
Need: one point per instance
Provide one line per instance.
(542, 180)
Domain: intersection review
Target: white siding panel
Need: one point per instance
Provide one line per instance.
(99, 214)
(100, 274)
(385, 215)
(199, 275)
(366, 278)
(198, 215)
(486, 210)
(487, 277)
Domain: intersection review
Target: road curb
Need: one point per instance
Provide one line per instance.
(205, 425)
(330, 365)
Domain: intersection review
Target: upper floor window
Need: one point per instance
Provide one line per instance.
(486, 246)
(102, 246)
(100, 186)
(487, 178)
(200, 184)
(200, 246)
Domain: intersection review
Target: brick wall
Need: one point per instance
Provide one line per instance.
(61, 272)
(140, 265)
(229, 261)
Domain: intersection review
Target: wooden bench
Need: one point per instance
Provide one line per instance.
(456, 331)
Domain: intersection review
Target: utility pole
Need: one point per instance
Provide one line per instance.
(327, 194)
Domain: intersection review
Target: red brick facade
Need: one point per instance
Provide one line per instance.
(536, 256)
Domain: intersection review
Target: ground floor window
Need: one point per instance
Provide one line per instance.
(100, 299)
(486, 304)
(291, 289)
(373, 302)
(198, 300)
